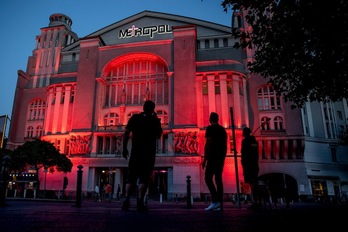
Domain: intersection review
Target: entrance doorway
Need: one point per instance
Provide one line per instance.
(158, 187)
(281, 186)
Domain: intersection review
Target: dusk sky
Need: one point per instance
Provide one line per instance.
(21, 21)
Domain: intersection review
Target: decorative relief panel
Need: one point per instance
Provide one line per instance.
(80, 144)
(185, 142)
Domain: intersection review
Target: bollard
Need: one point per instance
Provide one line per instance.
(79, 186)
(188, 194)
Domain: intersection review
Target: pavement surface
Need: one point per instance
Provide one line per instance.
(65, 216)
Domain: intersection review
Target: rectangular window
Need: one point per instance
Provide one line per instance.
(216, 43)
(72, 95)
(229, 86)
(107, 93)
(54, 99)
(136, 93)
(333, 153)
(217, 86)
(113, 95)
(62, 97)
(100, 145)
(231, 145)
(48, 58)
(205, 87)
(225, 42)
(206, 43)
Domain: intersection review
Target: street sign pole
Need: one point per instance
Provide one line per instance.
(235, 157)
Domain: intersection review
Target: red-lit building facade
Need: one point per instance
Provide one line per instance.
(79, 93)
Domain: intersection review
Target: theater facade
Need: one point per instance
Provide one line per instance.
(79, 93)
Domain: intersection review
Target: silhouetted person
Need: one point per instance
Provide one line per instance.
(250, 164)
(146, 129)
(215, 150)
(108, 191)
(96, 193)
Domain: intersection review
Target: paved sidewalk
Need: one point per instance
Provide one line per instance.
(64, 216)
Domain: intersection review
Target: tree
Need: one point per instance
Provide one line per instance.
(37, 154)
(300, 46)
(4, 152)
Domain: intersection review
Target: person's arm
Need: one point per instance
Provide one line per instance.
(159, 126)
(207, 148)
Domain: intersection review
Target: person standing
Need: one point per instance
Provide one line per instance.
(215, 150)
(108, 191)
(146, 130)
(96, 193)
(250, 164)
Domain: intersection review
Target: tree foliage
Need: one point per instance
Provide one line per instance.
(301, 46)
(38, 154)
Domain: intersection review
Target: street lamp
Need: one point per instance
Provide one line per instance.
(45, 171)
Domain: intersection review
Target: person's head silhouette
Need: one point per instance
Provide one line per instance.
(246, 131)
(214, 117)
(149, 107)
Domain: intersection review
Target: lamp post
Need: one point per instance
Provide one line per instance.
(235, 157)
(45, 171)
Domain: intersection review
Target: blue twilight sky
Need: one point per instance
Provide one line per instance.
(21, 21)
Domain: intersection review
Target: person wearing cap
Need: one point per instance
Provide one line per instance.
(215, 150)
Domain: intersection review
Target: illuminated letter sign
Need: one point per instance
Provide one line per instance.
(144, 31)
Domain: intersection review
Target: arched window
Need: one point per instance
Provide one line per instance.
(265, 122)
(30, 132)
(39, 131)
(134, 78)
(111, 119)
(278, 123)
(36, 109)
(267, 98)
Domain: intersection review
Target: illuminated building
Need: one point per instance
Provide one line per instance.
(79, 93)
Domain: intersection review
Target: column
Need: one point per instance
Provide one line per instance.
(199, 95)
(171, 99)
(277, 149)
(211, 92)
(49, 113)
(56, 106)
(285, 151)
(224, 119)
(65, 110)
(236, 101)
(245, 103)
